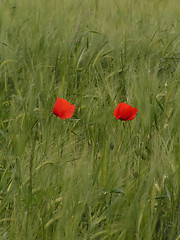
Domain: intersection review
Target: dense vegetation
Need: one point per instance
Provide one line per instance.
(90, 177)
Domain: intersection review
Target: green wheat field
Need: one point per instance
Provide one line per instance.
(90, 177)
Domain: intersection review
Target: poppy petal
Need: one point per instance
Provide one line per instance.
(135, 110)
(125, 112)
(63, 108)
(68, 113)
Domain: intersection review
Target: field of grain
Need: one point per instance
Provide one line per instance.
(90, 177)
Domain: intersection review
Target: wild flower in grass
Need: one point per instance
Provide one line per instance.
(125, 112)
(63, 108)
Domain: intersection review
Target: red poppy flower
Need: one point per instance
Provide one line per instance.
(125, 112)
(63, 108)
